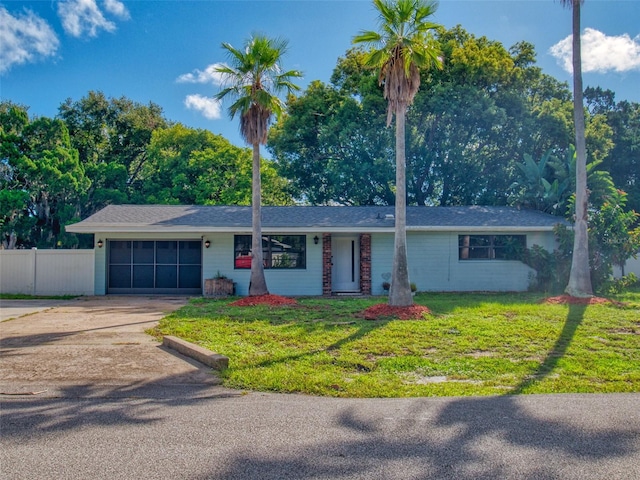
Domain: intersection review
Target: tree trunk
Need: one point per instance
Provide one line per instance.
(400, 290)
(258, 282)
(580, 275)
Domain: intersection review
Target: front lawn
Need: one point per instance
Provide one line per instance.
(470, 344)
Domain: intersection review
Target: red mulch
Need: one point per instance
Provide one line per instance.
(267, 299)
(568, 299)
(384, 310)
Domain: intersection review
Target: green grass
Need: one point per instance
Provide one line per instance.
(471, 344)
(22, 296)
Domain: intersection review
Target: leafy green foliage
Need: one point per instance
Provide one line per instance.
(111, 151)
(111, 136)
(195, 167)
(552, 268)
(623, 159)
(611, 242)
(466, 130)
(42, 179)
(323, 149)
(548, 185)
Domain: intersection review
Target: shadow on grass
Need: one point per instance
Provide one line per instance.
(362, 331)
(574, 319)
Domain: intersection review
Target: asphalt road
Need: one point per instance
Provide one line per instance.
(99, 399)
(214, 433)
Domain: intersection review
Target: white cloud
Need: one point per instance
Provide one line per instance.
(117, 8)
(24, 38)
(81, 17)
(209, 75)
(209, 107)
(600, 53)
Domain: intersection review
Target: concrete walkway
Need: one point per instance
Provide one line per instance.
(90, 341)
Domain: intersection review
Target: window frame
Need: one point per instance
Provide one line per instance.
(496, 246)
(274, 251)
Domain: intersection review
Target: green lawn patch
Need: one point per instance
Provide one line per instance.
(22, 296)
(470, 344)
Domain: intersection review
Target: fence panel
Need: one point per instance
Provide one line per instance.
(47, 272)
(631, 266)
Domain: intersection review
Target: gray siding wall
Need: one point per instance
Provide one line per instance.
(434, 264)
(219, 258)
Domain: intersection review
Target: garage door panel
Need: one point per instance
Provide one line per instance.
(143, 276)
(143, 252)
(190, 253)
(120, 276)
(161, 267)
(120, 251)
(190, 276)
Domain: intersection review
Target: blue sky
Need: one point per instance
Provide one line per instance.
(159, 51)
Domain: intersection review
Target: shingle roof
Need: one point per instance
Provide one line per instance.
(151, 218)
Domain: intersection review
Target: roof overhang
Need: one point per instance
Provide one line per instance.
(128, 228)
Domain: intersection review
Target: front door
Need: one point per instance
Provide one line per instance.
(345, 270)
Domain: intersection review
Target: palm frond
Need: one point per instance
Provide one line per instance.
(253, 79)
(402, 46)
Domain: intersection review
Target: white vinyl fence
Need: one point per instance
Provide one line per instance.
(632, 265)
(47, 272)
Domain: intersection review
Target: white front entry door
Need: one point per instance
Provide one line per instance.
(345, 270)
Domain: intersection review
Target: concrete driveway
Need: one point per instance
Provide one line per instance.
(50, 345)
(18, 308)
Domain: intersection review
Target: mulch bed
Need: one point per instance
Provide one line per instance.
(375, 312)
(384, 310)
(569, 300)
(267, 299)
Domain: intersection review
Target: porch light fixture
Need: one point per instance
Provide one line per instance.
(207, 244)
(316, 239)
(100, 243)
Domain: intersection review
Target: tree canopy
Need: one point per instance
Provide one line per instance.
(101, 151)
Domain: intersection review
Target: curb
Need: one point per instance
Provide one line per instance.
(202, 355)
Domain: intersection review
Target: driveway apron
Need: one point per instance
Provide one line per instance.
(93, 342)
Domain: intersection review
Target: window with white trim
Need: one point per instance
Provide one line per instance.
(491, 247)
(278, 251)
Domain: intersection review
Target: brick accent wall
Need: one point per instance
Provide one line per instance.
(326, 264)
(365, 264)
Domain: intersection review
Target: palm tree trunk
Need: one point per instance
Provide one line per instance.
(258, 282)
(580, 275)
(400, 290)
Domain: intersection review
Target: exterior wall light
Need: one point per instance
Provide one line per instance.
(207, 244)
(316, 239)
(100, 243)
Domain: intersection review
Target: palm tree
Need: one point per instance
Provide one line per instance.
(253, 78)
(580, 275)
(402, 47)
